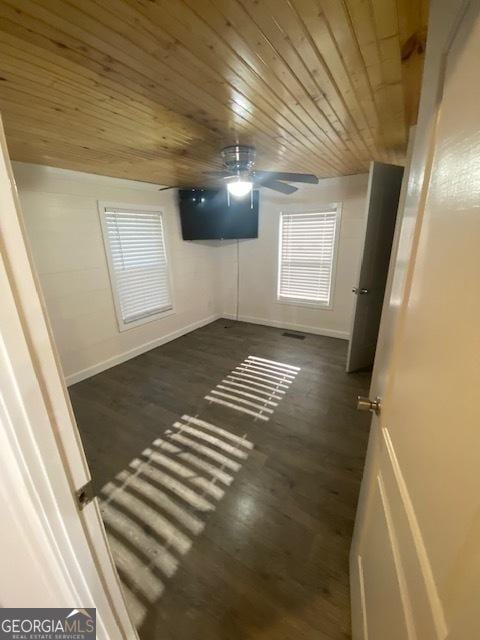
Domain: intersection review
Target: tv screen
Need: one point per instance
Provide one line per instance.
(207, 214)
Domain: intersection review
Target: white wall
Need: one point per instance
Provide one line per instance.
(258, 260)
(63, 227)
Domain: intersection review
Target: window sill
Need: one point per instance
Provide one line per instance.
(125, 326)
(292, 302)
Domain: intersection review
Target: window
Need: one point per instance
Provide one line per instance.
(137, 260)
(307, 257)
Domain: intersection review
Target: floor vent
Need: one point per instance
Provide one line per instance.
(291, 334)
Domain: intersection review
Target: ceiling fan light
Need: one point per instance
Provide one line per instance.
(239, 188)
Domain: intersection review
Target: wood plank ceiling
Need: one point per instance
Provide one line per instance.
(153, 89)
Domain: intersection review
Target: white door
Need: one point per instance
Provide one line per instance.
(52, 553)
(415, 561)
(382, 204)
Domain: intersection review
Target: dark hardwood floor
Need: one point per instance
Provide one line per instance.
(236, 534)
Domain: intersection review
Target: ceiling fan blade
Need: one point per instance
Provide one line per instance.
(290, 177)
(218, 174)
(281, 187)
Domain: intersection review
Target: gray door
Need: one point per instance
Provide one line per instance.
(382, 204)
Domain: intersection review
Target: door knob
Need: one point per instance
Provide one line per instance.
(365, 404)
(359, 292)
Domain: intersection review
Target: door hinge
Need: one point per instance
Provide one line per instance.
(84, 495)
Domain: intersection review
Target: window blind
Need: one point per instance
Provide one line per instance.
(307, 249)
(138, 263)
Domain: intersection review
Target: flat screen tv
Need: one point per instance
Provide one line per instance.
(208, 214)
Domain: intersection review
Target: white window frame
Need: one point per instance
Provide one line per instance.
(337, 208)
(102, 207)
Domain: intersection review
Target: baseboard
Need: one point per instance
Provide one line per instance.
(319, 331)
(132, 353)
(78, 376)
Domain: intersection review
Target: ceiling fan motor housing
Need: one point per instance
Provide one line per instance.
(239, 159)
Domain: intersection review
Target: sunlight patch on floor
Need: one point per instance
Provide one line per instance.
(155, 507)
(254, 387)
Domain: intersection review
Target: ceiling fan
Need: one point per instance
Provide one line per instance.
(240, 177)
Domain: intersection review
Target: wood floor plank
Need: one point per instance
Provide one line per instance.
(268, 558)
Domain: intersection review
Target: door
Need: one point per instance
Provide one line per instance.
(382, 203)
(54, 552)
(415, 559)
